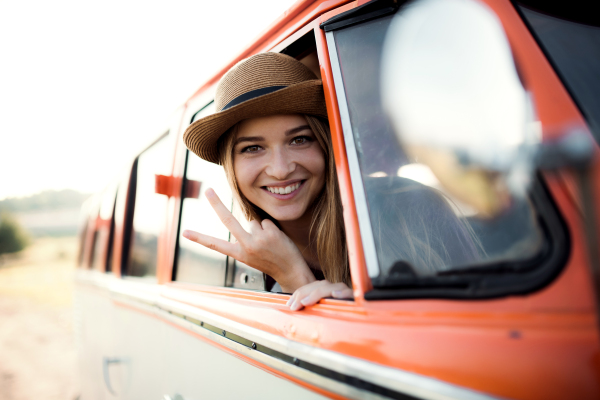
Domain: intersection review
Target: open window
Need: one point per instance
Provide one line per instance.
(194, 263)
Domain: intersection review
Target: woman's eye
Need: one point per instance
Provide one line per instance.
(300, 140)
(250, 149)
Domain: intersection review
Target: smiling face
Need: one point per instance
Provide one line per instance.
(279, 165)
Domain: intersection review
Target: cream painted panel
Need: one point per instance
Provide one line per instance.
(93, 337)
(139, 354)
(198, 370)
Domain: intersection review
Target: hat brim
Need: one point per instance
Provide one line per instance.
(306, 97)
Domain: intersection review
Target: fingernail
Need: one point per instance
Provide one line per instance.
(295, 306)
(186, 234)
(209, 192)
(336, 293)
(289, 302)
(305, 301)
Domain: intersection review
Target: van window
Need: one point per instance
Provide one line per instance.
(423, 237)
(149, 210)
(195, 263)
(98, 249)
(104, 234)
(111, 202)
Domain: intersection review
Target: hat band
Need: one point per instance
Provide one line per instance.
(251, 95)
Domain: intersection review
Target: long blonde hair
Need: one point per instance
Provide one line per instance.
(327, 225)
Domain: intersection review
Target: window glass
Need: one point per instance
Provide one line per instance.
(108, 211)
(196, 263)
(102, 250)
(419, 229)
(149, 210)
(98, 249)
(574, 49)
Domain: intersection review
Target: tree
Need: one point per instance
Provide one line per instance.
(12, 237)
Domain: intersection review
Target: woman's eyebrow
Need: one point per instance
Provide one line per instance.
(296, 130)
(248, 139)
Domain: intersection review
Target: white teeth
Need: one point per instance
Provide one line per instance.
(285, 190)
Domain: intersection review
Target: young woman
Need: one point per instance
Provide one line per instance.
(272, 137)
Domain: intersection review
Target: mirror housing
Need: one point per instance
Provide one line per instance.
(451, 89)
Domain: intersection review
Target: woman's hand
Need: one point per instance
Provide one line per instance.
(310, 294)
(265, 248)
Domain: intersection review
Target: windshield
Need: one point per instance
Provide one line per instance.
(419, 229)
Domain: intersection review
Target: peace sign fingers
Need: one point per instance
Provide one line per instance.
(220, 245)
(226, 216)
(265, 247)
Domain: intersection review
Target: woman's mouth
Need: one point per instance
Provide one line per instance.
(284, 192)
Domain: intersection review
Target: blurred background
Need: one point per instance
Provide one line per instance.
(84, 86)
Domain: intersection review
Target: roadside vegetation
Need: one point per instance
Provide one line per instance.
(12, 236)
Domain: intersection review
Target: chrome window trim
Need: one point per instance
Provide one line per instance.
(162, 302)
(362, 210)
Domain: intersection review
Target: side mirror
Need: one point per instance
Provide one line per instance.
(452, 92)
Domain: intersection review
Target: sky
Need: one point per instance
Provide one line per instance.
(84, 86)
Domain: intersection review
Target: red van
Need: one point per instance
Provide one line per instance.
(159, 317)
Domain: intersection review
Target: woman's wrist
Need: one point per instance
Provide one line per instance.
(290, 281)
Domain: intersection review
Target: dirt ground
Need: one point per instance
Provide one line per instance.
(37, 348)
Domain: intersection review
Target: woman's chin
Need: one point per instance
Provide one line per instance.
(283, 215)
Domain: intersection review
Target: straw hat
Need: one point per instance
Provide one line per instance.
(264, 84)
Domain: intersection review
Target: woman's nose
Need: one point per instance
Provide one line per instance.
(280, 165)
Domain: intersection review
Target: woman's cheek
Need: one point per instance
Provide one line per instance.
(246, 174)
(316, 166)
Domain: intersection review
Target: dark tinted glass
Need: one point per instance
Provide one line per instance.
(418, 227)
(149, 210)
(574, 49)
